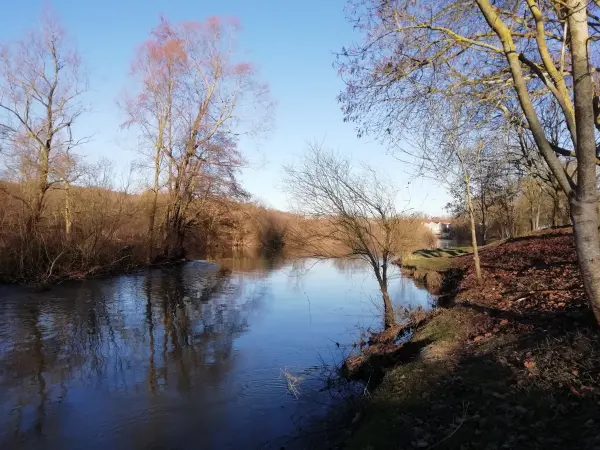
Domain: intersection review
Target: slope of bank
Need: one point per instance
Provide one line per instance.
(512, 363)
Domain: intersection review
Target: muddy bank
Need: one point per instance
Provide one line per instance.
(432, 280)
(511, 363)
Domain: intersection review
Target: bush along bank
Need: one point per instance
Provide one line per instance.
(513, 362)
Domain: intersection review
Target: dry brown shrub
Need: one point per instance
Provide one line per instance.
(434, 281)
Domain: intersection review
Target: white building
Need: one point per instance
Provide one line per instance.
(438, 227)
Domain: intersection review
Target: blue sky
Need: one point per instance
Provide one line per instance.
(293, 45)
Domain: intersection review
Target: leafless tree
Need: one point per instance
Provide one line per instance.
(348, 214)
(194, 102)
(68, 169)
(454, 149)
(158, 68)
(41, 87)
(514, 57)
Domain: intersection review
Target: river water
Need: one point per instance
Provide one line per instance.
(189, 357)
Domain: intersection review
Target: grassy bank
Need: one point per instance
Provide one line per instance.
(437, 259)
(513, 363)
(428, 266)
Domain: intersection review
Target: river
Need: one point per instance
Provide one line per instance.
(189, 357)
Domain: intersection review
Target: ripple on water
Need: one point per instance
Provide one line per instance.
(195, 356)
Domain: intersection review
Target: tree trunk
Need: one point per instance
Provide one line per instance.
(175, 235)
(389, 318)
(41, 188)
(531, 215)
(584, 202)
(585, 227)
(68, 217)
(531, 222)
(555, 207)
(534, 216)
(484, 224)
(152, 218)
(388, 309)
(473, 233)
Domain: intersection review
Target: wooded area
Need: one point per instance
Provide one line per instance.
(64, 216)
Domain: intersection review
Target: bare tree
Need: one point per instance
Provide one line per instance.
(516, 58)
(454, 149)
(41, 84)
(68, 169)
(529, 165)
(159, 67)
(486, 192)
(194, 102)
(348, 214)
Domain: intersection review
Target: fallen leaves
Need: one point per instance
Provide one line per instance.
(537, 273)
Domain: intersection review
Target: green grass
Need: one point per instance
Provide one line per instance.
(442, 328)
(443, 252)
(438, 259)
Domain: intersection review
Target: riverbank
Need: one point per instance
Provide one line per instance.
(123, 266)
(427, 266)
(437, 259)
(511, 363)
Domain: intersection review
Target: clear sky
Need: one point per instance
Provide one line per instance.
(292, 44)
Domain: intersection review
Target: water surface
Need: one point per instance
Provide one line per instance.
(190, 357)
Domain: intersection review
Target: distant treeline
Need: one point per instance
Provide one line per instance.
(188, 101)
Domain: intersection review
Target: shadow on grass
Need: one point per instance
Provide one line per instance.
(529, 392)
(371, 368)
(441, 252)
(550, 320)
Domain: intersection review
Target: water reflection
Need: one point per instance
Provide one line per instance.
(248, 260)
(188, 357)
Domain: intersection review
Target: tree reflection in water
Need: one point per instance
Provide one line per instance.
(164, 331)
(181, 357)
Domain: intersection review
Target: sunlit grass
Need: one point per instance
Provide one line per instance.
(438, 259)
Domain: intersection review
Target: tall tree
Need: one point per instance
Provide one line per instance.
(41, 87)
(454, 148)
(516, 57)
(194, 101)
(159, 67)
